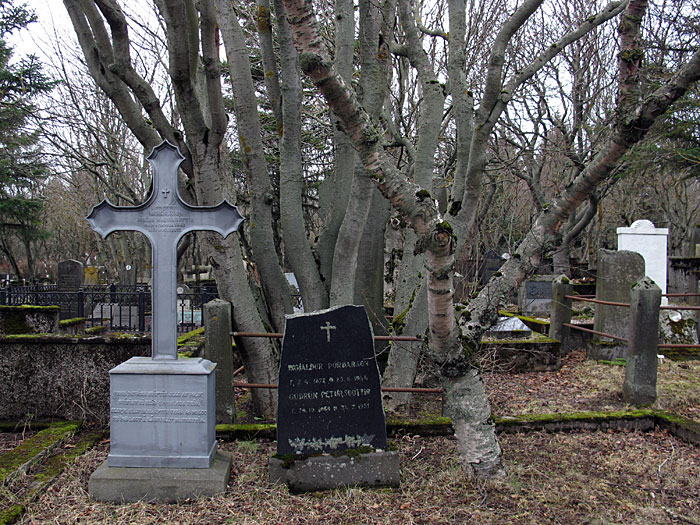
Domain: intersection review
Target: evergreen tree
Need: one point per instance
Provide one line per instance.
(22, 169)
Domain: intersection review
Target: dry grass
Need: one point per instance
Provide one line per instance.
(10, 440)
(553, 478)
(584, 385)
(575, 478)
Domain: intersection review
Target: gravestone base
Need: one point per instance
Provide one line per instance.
(162, 413)
(325, 472)
(170, 485)
(639, 388)
(607, 350)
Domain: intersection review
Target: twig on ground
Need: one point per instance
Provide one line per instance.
(677, 516)
(418, 453)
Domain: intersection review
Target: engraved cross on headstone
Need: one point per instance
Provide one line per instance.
(164, 218)
(328, 329)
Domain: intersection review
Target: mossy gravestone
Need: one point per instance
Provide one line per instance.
(331, 430)
(617, 272)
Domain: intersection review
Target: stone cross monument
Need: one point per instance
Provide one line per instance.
(162, 409)
(164, 218)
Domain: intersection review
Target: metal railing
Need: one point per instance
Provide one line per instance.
(278, 335)
(124, 308)
(627, 305)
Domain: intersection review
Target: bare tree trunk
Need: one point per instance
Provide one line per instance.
(298, 247)
(259, 355)
(277, 294)
(336, 189)
(423, 216)
(401, 368)
(357, 234)
(403, 359)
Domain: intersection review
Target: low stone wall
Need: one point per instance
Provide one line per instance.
(63, 377)
(29, 319)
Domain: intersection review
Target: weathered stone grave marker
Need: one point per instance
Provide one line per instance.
(92, 276)
(217, 347)
(330, 401)
(641, 369)
(535, 295)
(617, 272)
(162, 414)
(492, 263)
(71, 276)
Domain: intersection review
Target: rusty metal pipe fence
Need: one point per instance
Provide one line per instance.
(278, 335)
(589, 299)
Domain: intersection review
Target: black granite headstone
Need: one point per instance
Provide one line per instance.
(71, 275)
(329, 390)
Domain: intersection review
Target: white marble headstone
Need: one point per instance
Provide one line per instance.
(651, 242)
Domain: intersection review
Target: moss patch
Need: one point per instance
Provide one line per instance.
(620, 361)
(11, 514)
(56, 463)
(524, 318)
(95, 330)
(189, 335)
(246, 431)
(427, 426)
(437, 420)
(30, 308)
(44, 471)
(29, 450)
(535, 339)
(399, 319)
(525, 419)
(71, 322)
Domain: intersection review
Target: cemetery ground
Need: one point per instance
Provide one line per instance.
(588, 476)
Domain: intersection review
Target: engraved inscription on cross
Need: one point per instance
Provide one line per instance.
(164, 218)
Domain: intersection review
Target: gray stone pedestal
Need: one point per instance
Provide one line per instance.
(162, 433)
(124, 484)
(162, 413)
(324, 472)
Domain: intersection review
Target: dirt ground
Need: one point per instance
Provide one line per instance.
(585, 385)
(572, 478)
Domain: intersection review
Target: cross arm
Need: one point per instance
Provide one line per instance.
(224, 218)
(106, 218)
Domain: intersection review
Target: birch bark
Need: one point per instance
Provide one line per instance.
(435, 238)
(277, 293)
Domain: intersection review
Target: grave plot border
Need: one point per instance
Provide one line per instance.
(680, 427)
(45, 448)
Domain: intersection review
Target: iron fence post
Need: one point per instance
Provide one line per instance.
(142, 310)
(81, 303)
